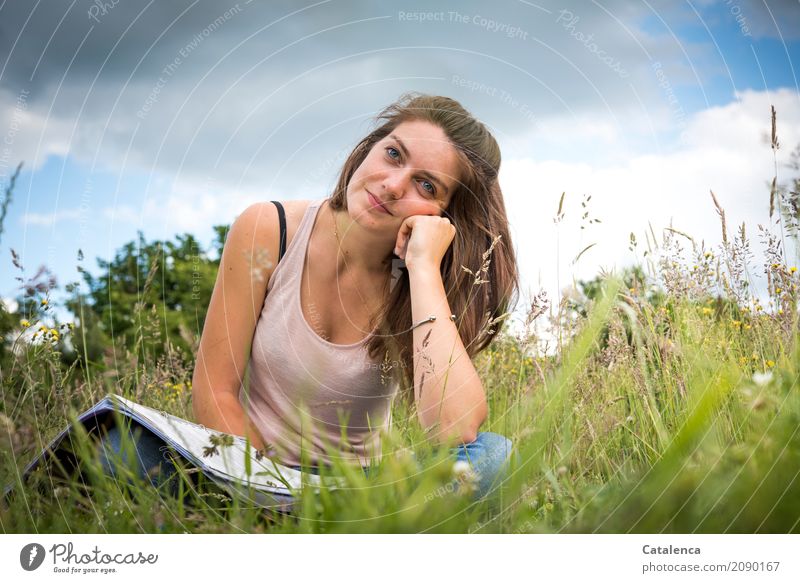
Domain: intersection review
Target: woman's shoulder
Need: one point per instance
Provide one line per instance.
(264, 217)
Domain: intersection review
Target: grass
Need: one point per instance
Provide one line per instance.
(671, 406)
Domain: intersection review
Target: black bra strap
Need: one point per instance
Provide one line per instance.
(282, 221)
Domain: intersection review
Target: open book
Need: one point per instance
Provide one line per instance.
(267, 484)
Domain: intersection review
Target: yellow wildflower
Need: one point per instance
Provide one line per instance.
(770, 363)
(778, 290)
(707, 311)
(792, 269)
(25, 323)
(44, 302)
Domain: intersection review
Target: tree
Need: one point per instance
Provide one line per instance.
(150, 295)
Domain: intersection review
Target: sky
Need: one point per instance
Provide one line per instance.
(173, 117)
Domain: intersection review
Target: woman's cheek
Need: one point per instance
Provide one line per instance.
(421, 208)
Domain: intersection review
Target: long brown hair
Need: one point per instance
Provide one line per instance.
(482, 243)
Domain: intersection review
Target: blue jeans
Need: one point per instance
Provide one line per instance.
(487, 455)
(152, 460)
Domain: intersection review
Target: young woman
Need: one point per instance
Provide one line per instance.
(365, 296)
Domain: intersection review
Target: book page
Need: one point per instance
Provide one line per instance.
(190, 439)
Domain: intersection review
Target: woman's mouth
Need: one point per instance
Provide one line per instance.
(376, 204)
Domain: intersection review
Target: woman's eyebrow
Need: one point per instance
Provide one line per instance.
(430, 176)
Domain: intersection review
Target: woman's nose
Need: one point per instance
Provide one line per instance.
(395, 183)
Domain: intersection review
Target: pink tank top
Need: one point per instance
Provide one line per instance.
(291, 367)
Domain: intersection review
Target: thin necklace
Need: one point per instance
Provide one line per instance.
(385, 367)
(344, 256)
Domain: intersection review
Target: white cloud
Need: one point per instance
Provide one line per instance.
(187, 206)
(10, 304)
(50, 219)
(724, 150)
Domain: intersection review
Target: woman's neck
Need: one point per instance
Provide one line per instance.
(359, 251)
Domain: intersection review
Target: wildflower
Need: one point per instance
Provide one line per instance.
(44, 302)
(762, 379)
(780, 311)
(25, 324)
(747, 326)
(707, 311)
(465, 476)
(708, 254)
(778, 290)
(42, 327)
(770, 363)
(742, 360)
(737, 323)
(223, 440)
(792, 269)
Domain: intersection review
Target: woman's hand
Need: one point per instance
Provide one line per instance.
(423, 240)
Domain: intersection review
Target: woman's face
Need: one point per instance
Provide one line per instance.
(412, 171)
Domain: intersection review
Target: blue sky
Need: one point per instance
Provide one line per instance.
(263, 106)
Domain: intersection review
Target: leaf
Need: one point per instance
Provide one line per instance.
(677, 232)
(772, 192)
(561, 203)
(585, 249)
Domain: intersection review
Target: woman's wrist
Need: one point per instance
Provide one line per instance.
(423, 269)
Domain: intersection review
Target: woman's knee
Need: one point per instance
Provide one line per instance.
(497, 447)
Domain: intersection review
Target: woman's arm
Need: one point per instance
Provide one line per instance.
(450, 398)
(247, 262)
(222, 411)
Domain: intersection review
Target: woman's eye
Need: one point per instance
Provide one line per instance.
(429, 188)
(392, 151)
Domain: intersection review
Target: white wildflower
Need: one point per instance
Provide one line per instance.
(762, 379)
(465, 475)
